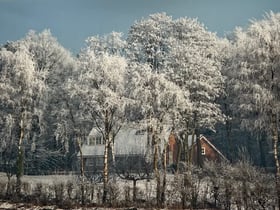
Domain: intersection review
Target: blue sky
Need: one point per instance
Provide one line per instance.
(72, 21)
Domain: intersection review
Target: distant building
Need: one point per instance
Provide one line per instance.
(130, 145)
(133, 150)
(208, 151)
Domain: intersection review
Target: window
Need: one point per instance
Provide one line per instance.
(96, 140)
(140, 132)
(202, 150)
(91, 141)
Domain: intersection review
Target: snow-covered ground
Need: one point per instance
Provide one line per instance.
(47, 179)
(146, 191)
(22, 206)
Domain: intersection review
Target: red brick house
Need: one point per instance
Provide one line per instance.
(208, 151)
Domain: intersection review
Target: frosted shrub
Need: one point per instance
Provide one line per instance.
(226, 194)
(70, 188)
(127, 196)
(38, 190)
(113, 193)
(59, 192)
(216, 175)
(239, 186)
(99, 195)
(41, 194)
(26, 188)
(3, 186)
(173, 191)
(11, 189)
(89, 192)
(149, 192)
(254, 188)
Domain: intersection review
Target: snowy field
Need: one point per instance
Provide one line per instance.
(21, 206)
(146, 191)
(47, 179)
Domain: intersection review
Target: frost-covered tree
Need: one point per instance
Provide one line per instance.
(149, 40)
(63, 125)
(225, 100)
(112, 43)
(100, 89)
(55, 64)
(8, 146)
(23, 89)
(159, 102)
(73, 125)
(256, 78)
(188, 55)
(194, 64)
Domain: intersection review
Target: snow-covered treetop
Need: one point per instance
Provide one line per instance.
(255, 66)
(103, 76)
(148, 40)
(112, 44)
(187, 54)
(23, 89)
(158, 100)
(19, 79)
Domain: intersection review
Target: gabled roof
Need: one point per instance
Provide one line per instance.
(213, 147)
(207, 141)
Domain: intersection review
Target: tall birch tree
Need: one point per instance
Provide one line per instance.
(159, 102)
(100, 89)
(58, 64)
(23, 88)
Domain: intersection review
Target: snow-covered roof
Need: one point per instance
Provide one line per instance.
(131, 141)
(89, 150)
(127, 141)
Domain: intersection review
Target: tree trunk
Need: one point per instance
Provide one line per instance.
(198, 148)
(134, 189)
(8, 190)
(156, 170)
(178, 158)
(186, 185)
(112, 145)
(191, 152)
(275, 149)
(184, 191)
(164, 175)
(82, 171)
(105, 172)
(187, 150)
(157, 174)
(82, 167)
(20, 157)
(106, 149)
(186, 145)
